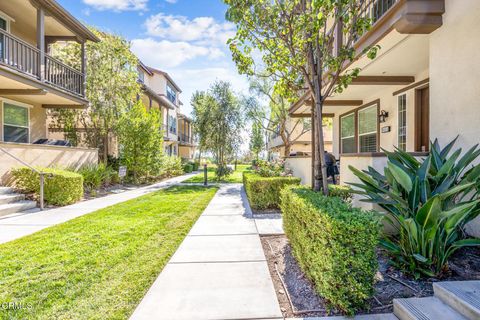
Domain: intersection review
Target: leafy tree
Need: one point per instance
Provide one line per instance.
(305, 44)
(111, 88)
(218, 122)
(273, 118)
(141, 141)
(256, 139)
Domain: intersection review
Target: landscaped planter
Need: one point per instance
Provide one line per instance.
(264, 192)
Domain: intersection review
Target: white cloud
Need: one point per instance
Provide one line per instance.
(180, 28)
(166, 53)
(117, 5)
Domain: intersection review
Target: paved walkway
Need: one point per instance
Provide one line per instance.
(15, 227)
(218, 272)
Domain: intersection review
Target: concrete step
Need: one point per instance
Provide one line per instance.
(6, 190)
(463, 296)
(11, 197)
(22, 205)
(430, 308)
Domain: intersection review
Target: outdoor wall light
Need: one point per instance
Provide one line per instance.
(382, 117)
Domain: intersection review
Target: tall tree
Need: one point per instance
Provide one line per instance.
(111, 88)
(256, 139)
(305, 44)
(217, 113)
(274, 116)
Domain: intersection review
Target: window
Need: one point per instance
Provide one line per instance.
(15, 123)
(347, 134)
(359, 130)
(402, 122)
(172, 124)
(367, 129)
(171, 94)
(141, 76)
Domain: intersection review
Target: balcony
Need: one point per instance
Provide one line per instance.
(184, 138)
(27, 59)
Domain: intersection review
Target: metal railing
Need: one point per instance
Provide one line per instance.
(184, 138)
(25, 58)
(40, 173)
(19, 54)
(375, 9)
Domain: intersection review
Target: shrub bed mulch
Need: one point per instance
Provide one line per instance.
(391, 284)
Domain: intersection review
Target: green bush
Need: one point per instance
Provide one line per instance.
(429, 201)
(97, 175)
(264, 192)
(343, 192)
(334, 245)
(171, 166)
(188, 167)
(195, 165)
(61, 187)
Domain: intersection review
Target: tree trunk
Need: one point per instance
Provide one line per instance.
(320, 168)
(288, 147)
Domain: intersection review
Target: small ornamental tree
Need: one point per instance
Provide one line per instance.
(256, 139)
(305, 44)
(111, 88)
(273, 118)
(141, 141)
(218, 123)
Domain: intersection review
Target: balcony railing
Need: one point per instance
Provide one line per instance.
(25, 58)
(184, 138)
(375, 9)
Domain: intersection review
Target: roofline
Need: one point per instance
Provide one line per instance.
(66, 17)
(144, 67)
(167, 76)
(181, 115)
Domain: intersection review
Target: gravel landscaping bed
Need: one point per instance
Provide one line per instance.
(391, 284)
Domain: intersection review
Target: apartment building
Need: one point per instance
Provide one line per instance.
(32, 81)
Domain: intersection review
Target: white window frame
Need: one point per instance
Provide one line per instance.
(404, 97)
(348, 137)
(366, 133)
(16, 104)
(8, 19)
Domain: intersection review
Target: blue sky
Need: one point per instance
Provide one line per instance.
(186, 38)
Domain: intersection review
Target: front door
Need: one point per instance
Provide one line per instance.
(422, 120)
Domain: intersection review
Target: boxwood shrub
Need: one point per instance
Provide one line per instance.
(264, 192)
(343, 192)
(334, 245)
(188, 167)
(61, 187)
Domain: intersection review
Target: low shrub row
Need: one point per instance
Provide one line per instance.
(264, 192)
(334, 245)
(97, 175)
(188, 167)
(61, 187)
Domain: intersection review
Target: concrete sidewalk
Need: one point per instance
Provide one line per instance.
(15, 227)
(218, 272)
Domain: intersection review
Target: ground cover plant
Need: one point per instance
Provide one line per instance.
(429, 201)
(234, 177)
(98, 266)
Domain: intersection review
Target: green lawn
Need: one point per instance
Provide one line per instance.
(235, 177)
(98, 266)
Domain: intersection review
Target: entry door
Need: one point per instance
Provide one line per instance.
(422, 121)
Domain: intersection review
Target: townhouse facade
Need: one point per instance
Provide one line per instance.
(423, 85)
(160, 90)
(32, 81)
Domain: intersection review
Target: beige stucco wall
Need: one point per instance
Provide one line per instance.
(301, 167)
(186, 152)
(44, 156)
(454, 79)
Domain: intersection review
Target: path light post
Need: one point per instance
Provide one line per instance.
(205, 182)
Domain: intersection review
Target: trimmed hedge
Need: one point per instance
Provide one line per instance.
(343, 192)
(264, 192)
(188, 167)
(334, 245)
(61, 187)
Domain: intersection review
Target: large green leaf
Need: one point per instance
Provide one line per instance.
(401, 176)
(422, 172)
(445, 151)
(428, 212)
